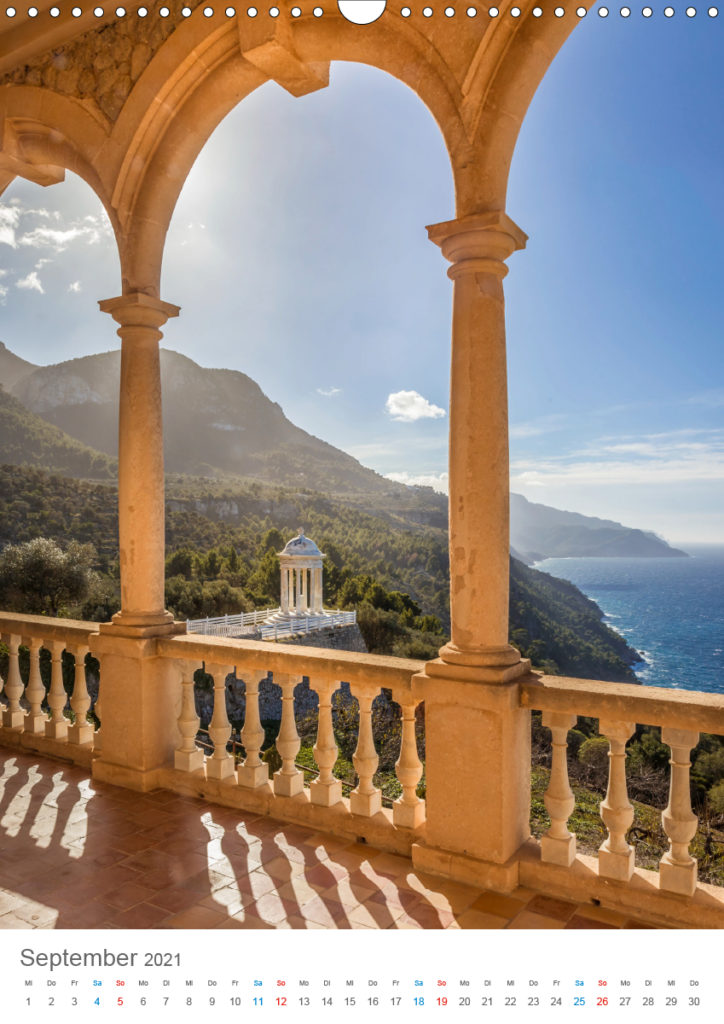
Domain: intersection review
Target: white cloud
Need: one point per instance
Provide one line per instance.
(438, 481)
(409, 406)
(58, 240)
(329, 392)
(3, 294)
(9, 220)
(31, 283)
(41, 263)
(75, 286)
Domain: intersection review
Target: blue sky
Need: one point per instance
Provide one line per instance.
(298, 253)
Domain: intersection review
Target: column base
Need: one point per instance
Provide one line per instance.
(616, 865)
(56, 730)
(188, 761)
(408, 815)
(81, 734)
(469, 870)
(288, 785)
(325, 794)
(679, 878)
(365, 804)
(35, 724)
(223, 768)
(140, 626)
(128, 778)
(558, 851)
(13, 719)
(253, 777)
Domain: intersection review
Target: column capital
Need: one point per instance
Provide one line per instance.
(479, 243)
(136, 309)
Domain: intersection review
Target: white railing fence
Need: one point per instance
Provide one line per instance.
(235, 625)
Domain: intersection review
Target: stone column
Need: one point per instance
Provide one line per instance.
(140, 464)
(297, 596)
(141, 692)
(285, 590)
(477, 247)
(478, 816)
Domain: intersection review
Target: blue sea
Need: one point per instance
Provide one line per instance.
(671, 610)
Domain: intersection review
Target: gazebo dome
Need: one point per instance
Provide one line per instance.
(301, 547)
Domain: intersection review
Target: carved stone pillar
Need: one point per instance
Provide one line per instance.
(140, 464)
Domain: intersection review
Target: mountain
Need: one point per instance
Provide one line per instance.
(12, 367)
(27, 440)
(538, 532)
(215, 422)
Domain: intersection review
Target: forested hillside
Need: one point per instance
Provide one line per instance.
(222, 556)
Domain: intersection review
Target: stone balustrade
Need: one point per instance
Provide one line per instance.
(163, 719)
(619, 707)
(53, 722)
(283, 794)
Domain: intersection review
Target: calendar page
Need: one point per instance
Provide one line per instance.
(366, 596)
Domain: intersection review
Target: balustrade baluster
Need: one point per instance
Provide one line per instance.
(221, 764)
(13, 715)
(558, 845)
(253, 773)
(57, 727)
(365, 799)
(81, 731)
(188, 757)
(677, 868)
(615, 856)
(409, 810)
(36, 718)
(288, 781)
(325, 790)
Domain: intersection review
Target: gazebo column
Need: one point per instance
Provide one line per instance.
(139, 689)
(284, 597)
(477, 818)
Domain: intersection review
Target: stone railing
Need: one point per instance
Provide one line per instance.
(25, 720)
(284, 795)
(619, 707)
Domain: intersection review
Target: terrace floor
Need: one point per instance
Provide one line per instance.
(78, 854)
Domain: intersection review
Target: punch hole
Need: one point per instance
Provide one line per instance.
(559, 12)
(427, 12)
(32, 12)
(669, 12)
(164, 12)
(9, 12)
(230, 12)
(252, 12)
(647, 12)
(713, 12)
(186, 12)
(273, 12)
(405, 12)
(691, 12)
(296, 12)
(317, 12)
(471, 12)
(493, 12)
(98, 12)
(537, 11)
(362, 12)
(208, 12)
(581, 12)
(142, 12)
(625, 12)
(603, 12)
(449, 12)
(54, 12)
(515, 12)
(121, 12)
(76, 12)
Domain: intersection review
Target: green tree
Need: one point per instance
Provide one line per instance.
(40, 578)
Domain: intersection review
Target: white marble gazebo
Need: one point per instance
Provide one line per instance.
(301, 569)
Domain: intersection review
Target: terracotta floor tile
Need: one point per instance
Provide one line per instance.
(496, 903)
(561, 910)
(577, 921)
(479, 919)
(173, 900)
(127, 895)
(595, 913)
(143, 915)
(527, 919)
(196, 917)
